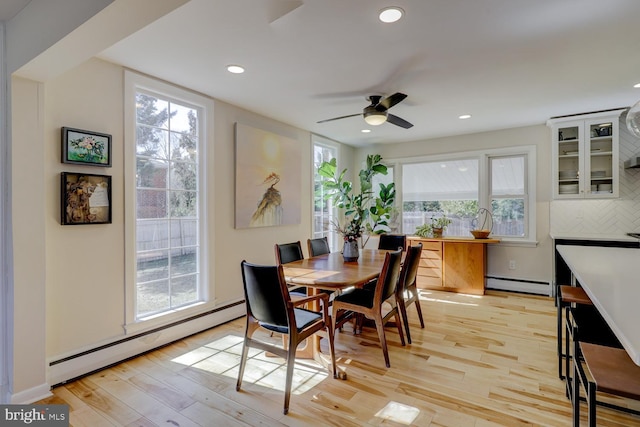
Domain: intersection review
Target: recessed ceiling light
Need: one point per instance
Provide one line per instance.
(391, 14)
(235, 69)
(465, 116)
(637, 85)
(365, 130)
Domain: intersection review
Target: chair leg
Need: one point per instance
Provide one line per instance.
(397, 317)
(405, 319)
(332, 351)
(419, 310)
(243, 362)
(591, 403)
(575, 401)
(291, 361)
(383, 339)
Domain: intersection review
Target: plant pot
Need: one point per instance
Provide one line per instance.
(350, 251)
(437, 232)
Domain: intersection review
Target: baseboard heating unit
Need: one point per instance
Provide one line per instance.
(519, 285)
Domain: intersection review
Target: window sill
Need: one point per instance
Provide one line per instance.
(167, 317)
(519, 243)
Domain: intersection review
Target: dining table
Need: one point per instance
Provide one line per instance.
(330, 272)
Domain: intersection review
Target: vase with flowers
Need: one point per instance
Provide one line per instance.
(364, 212)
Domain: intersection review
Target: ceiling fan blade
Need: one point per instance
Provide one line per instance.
(338, 118)
(390, 101)
(398, 121)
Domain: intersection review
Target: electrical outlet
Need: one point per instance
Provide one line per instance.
(512, 264)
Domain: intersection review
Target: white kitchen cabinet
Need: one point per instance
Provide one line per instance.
(585, 155)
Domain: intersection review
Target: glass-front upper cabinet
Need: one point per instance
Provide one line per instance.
(585, 155)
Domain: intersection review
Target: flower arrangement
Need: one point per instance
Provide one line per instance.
(351, 231)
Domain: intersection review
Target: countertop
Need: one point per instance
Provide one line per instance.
(455, 239)
(594, 236)
(610, 277)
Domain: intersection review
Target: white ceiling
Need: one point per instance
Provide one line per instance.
(10, 8)
(509, 63)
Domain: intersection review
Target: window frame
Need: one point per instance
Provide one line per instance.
(484, 180)
(134, 83)
(335, 242)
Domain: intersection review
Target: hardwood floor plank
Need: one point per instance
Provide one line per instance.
(480, 361)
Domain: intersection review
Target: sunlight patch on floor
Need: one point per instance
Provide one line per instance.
(399, 413)
(424, 296)
(222, 357)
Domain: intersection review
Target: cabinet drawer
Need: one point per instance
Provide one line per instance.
(429, 246)
(430, 254)
(430, 263)
(428, 282)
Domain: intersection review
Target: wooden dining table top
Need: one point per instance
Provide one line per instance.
(331, 272)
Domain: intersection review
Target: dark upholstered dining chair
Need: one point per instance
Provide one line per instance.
(392, 241)
(369, 302)
(270, 306)
(319, 246)
(407, 291)
(288, 252)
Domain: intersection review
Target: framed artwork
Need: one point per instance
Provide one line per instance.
(268, 178)
(85, 199)
(84, 147)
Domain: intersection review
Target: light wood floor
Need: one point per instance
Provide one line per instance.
(480, 361)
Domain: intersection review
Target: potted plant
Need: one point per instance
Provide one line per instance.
(365, 211)
(433, 229)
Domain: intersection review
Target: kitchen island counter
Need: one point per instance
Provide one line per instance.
(609, 276)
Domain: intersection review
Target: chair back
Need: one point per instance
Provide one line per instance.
(392, 241)
(266, 293)
(288, 252)
(409, 269)
(388, 278)
(319, 246)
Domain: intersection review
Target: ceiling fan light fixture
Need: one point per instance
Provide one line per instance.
(391, 14)
(374, 117)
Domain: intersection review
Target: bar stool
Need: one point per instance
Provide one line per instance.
(567, 297)
(611, 371)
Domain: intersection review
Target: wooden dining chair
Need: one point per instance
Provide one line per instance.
(392, 241)
(319, 246)
(270, 306)
(407, 291)
(369, 302)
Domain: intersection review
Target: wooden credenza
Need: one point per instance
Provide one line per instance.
(452, 264)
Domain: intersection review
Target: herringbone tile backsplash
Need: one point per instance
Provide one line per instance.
(604, 216)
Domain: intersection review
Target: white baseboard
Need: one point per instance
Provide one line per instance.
(67, 368)
(31, 395)
(519, 285)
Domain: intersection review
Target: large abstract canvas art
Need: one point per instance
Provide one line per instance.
(268, 175)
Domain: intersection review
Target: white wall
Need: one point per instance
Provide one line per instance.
(29, 237)
(81, 268)
(532, 263)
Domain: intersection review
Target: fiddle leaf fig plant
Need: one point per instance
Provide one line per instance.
(364, 211)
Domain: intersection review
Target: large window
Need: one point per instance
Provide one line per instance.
(166, 193)
(324, 213)
(457, 186)
(440, 188)
(508, 195)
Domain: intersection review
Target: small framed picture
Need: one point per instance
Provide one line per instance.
(83, 147)
(85, 199)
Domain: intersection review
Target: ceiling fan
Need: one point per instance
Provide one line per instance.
(376, 113)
